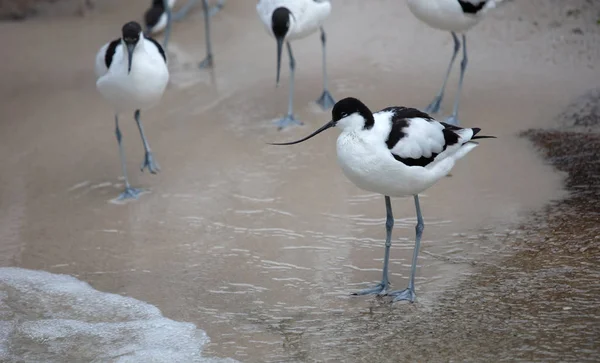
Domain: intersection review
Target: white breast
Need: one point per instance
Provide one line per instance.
(368, 168)
(367, 162)
(143, 87)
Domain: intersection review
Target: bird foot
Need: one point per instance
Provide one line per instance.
(379, 289)
(129, 193)
(326, 101)
(399, 295)
(288, 121)
(207, 62)
(434, 106)
(150, 163)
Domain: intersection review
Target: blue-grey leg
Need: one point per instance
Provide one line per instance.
(129, 192)
(169, 23)
(191, 3)
(325, 101)
(463, 66)
(208, 61)
(184, 10)
(148, 158)
(289, 119)
(409, 293)
(382, 287)
(434, 106)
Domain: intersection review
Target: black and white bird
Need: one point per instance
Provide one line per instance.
(156, 17)
(288, 20)
(396, 152)
(132, 75)
(160, 17)
(457, 17)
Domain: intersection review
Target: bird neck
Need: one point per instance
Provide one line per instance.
(139, 48)
(353, 123)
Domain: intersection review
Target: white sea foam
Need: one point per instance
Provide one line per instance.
(46, 317)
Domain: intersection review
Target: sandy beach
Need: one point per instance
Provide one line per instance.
(260, 246)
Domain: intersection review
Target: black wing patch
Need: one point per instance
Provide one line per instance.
(405, 112)
(396, 132)
(110, 52)
(470, 8)
(401, 120)
(422, 161)
(450, 138)
(160, 48)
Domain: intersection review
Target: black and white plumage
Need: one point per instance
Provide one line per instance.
(451, 15)
(132, 75)
(396, 152)
(288, 20)
(156, 17)
(456, 17)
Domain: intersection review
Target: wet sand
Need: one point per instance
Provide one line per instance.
(259, 246)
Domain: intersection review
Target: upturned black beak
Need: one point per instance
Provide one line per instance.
(279, 50)
(130, 48)
(328, 125)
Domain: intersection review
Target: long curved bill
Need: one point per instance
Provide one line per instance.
(328, 125)
(279, 50)
(130, 48)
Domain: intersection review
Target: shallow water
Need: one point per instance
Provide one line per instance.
(258, 245)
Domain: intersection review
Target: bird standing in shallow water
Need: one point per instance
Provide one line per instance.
(288, 20)
(160, 17)
(397, 151)
(455, 16)
(132, 76)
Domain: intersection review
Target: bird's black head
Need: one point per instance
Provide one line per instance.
(349, 106)
(280, 22)
(348, 114)
(131, 32)
(131, 36)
